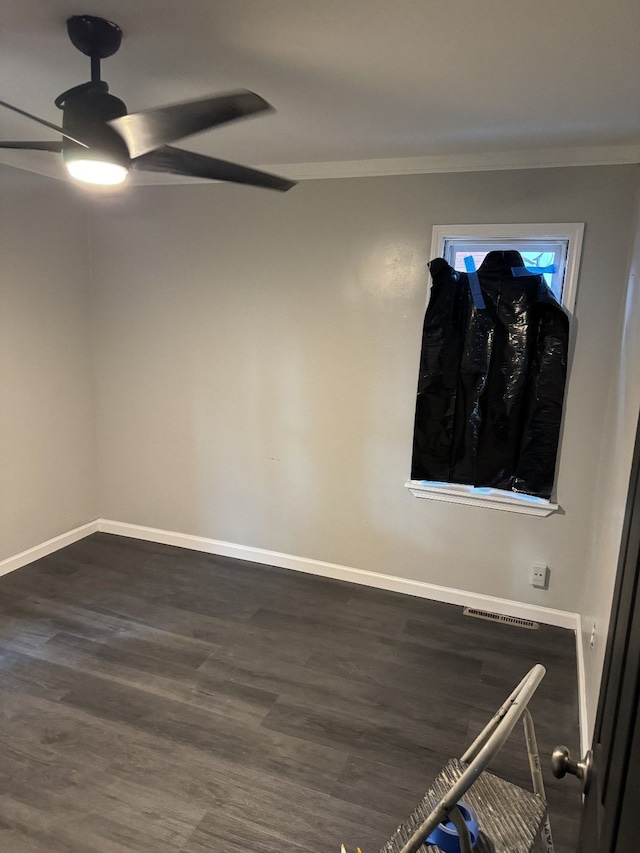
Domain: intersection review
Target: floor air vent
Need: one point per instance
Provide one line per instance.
(498, 617)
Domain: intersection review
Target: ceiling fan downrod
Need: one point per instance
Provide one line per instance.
(97, 38)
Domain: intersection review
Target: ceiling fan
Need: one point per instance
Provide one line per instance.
(101, 141)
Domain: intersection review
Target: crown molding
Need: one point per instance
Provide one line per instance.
(608, 155)
(488, 161)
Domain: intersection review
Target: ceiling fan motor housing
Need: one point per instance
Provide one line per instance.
(86, 111)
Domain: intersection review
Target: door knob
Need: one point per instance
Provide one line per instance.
(562, 763)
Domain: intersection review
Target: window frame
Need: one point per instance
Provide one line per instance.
(573, 233)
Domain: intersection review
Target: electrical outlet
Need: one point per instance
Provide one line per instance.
(540, 576)
(592, 638)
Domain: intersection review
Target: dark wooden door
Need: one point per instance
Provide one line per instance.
(611, 812)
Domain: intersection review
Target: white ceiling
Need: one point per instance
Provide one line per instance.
(351, 80)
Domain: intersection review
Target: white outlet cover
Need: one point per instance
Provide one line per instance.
(540, 576)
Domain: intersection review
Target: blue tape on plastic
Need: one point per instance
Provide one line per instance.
(525, 270)
(445, 835)
(474, 282)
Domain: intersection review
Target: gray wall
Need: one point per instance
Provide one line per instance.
(618, 439)
(256, 367)
(47, 436)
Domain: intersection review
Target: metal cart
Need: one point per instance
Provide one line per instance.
(510, 817)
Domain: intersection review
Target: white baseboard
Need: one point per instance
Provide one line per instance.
(48, 547)
(421, 589)
(583, 713)
(448, 595)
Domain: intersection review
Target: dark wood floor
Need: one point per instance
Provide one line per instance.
(159, 700)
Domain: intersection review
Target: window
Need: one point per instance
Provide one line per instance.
(537, 255)
(555, 250)
(553, 247)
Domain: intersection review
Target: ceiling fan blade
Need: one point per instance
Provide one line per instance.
(149, 129)
(44, 122)
(176, 161)
(56, 147)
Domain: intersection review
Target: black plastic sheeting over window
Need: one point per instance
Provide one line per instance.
(492, 378)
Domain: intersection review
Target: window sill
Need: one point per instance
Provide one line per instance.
(488, 498)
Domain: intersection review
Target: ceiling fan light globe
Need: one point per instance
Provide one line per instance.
(96, 171)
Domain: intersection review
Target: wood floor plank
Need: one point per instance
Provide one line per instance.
(154, 699)
(317, 685)
(383, 788)
(142, 673)
(48, 832)
(289, 818)
(362, 738)
(186, 626)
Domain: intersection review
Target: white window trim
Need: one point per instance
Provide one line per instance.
(458, 493)
(574, 233)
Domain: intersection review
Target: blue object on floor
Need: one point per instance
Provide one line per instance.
(445, 835)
